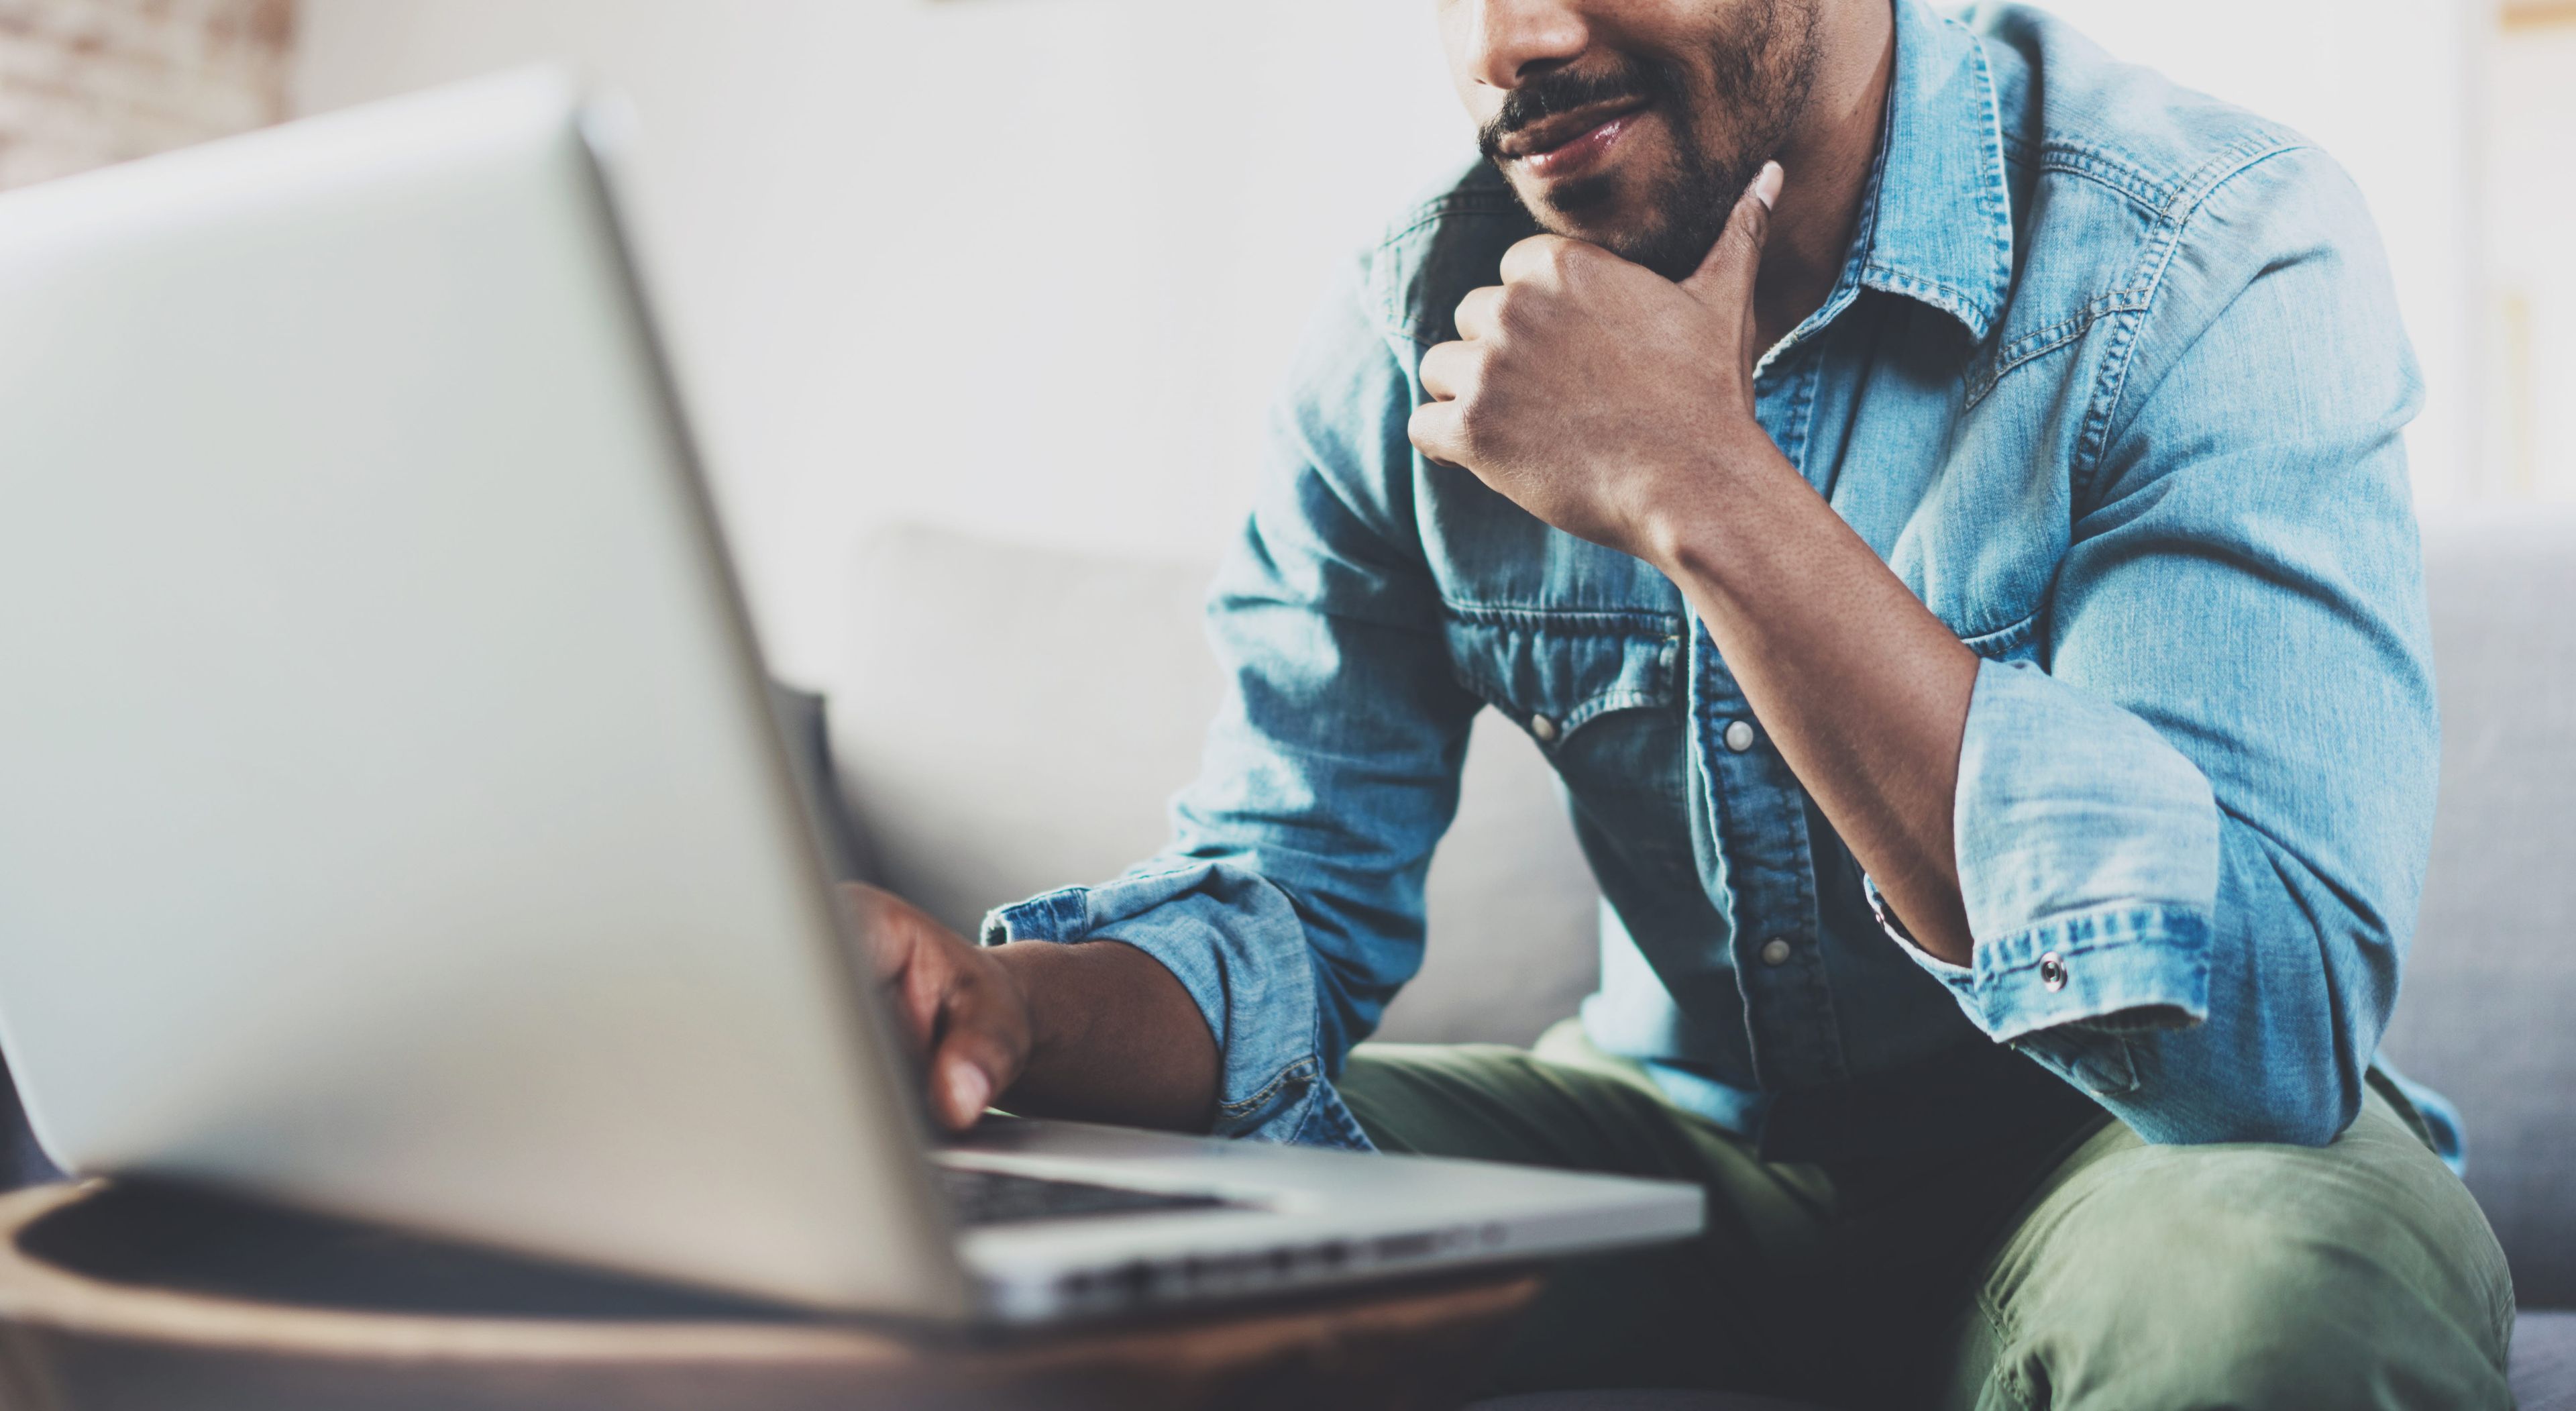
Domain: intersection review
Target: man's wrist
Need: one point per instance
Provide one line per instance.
(1113, 1037)
(1025, 967)
(1062, 984)
(1689, 534)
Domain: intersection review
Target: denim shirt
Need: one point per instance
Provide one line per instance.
(2113, 379)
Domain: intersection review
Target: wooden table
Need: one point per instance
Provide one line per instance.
(120, 1298)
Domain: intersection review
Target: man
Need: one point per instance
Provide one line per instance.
(1935, 495)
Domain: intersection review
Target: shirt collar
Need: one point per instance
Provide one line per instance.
(1939, 220)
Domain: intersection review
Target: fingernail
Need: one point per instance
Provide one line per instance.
(968, 1089)
(1766, 184)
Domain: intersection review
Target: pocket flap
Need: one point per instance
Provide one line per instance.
(1565, 666)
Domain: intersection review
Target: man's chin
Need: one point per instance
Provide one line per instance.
(1634, 241)
(1585, 200)
(1598, 210)
(1651, 237)
(1587, 210)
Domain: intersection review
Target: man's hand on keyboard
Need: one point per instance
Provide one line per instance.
(1096, 1030)
(961, 1007)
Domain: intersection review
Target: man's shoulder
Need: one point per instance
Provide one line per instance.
(2121, 177)
(2070, 111)
(1439, 247)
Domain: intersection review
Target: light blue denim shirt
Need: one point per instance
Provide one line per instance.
(2113, 379)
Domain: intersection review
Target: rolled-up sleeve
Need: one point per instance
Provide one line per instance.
(2192, 827)
(1290, 901)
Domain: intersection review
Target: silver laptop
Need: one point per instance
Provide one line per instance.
(392, 817)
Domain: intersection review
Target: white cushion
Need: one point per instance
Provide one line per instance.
(1010, 720)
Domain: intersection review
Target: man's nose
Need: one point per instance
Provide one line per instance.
(1510, 42)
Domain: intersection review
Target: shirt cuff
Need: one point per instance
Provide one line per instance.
(2121, 968)
(2088, 864)
(1237, 946)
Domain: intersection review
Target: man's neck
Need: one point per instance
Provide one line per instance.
(1828, 163)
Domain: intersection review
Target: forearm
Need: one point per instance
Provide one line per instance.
(1864, 692)
(1114, 1038)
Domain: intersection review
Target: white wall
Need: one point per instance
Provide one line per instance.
(2384, 85)
(1025, 266)
(2529, 113)
(1032, 267)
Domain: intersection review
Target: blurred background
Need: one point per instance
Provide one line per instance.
(1033, 268)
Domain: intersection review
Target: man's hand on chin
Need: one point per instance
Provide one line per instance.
(1598, 395)
(1618, 406)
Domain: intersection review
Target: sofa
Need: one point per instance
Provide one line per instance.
(1008, 720)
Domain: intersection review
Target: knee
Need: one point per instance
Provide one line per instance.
(2233, 1291)
(2276, 1324)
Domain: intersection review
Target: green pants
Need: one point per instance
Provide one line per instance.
(2077, 1269)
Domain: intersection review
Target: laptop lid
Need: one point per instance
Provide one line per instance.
(394, 821)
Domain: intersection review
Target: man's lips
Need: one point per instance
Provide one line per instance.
(1558, 144)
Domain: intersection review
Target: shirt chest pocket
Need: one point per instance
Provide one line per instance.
(1556, 670)
(1601, 694)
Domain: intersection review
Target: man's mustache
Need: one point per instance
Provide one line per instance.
(1563, 91)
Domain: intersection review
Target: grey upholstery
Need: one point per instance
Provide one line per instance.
(2544, 1361)
(2490, 989)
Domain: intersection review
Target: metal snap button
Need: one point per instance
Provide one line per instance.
(1775, 952)
(2052, 971)
(1543, 727)
(1739, 735)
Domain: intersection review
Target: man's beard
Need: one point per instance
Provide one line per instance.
(1761, 73)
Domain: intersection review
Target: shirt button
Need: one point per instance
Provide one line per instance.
(2052, 971)
(1542, 727)
(1775, 952)
(1739, 735)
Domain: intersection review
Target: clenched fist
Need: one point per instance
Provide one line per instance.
(1597, 394)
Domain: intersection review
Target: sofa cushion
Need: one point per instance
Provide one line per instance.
(2492, 975)
(2544, 1362)
(1011, 720)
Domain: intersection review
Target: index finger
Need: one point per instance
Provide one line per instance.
(1542, 259)
(878, 930)
(1479, 314)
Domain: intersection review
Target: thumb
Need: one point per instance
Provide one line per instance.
(982, 1049)
(963, 1089)
(1725, 275)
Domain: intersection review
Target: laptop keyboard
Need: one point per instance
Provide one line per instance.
(1001, 1198)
